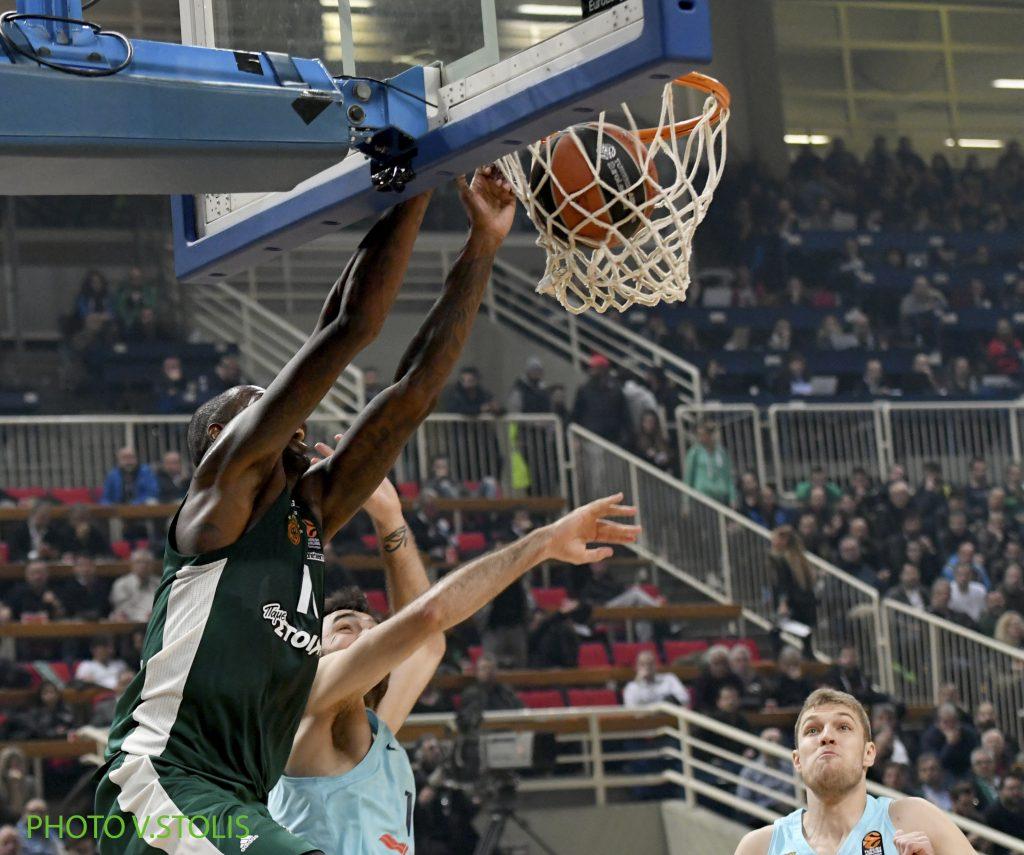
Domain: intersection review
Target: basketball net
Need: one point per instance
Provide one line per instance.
(652, 264)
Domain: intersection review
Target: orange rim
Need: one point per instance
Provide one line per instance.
(703, 83)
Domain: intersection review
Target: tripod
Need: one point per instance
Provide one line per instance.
(500, 815)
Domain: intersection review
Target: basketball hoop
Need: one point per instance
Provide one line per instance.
(646, 228)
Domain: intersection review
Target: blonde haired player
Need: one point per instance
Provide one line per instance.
(833, 754)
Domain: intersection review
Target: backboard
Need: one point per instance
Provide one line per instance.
(511, 71)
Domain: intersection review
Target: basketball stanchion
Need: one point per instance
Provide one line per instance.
(617, 207)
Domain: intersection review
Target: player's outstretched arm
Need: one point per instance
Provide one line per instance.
(352, 317)
(406, 579)
(354, 671)
(338, 485)
(923, 829)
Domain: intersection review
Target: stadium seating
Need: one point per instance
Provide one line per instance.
(683, 649)
(542, 699)
(625, 652)
(593, 655)
(592, 698)
(549, 599)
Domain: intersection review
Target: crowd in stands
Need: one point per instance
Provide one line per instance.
(870, 278)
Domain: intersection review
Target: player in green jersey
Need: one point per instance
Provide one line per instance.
(203, 732)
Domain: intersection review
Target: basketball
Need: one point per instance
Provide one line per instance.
(618, 164)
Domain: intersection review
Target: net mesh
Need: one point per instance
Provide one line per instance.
(643, 265)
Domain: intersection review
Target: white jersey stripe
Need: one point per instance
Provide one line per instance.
(188, 610)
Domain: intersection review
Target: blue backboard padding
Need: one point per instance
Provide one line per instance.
(675, 35)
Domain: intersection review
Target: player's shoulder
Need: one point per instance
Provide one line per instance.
(756, 842)
(911, 811)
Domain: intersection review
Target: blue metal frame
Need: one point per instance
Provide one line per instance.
(675, 33)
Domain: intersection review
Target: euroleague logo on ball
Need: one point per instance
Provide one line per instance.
(608, 151)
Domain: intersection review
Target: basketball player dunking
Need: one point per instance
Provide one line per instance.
(833, 753)
(204, 730)
(348, 786)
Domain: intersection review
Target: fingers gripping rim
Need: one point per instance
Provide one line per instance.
(644, 264)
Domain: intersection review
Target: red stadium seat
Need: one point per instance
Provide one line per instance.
(548, 599)
(592, 698)
(472, 487)
(22, 493)
(61, 671)
(680, 649)
(593, 655)
(475, 652)
(370, 542)
(749, 643)
(625, 652)
(470, 543)
(652, 590)
(122, 549)
(74, 495)
(5, 553)
(542, 699)
(141, 544)
(378, 601)
(409, 490)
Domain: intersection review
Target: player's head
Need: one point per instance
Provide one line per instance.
(833, 744)
(212, 417)
(347, 615)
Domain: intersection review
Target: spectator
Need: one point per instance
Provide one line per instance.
(40, 537)
(48, 717)
(1007, 815)
(909, 590)
(995, 742)
(600, 404)
(727, 711)
(956, 532)
(995, 608)
(103, 669)
(966, 595)
(749, 495)
(921, 379)
(976, 490)
(103, 710)
(753, 693)
(41, 839)
(872, 384)
(795, 580)
(896, 776)
(558, 403)
(529, 392)
(961, 382)
(1009, 630)
(708, 469)
(902, 746)
(85, 596)
(83, 537)
(920, 313)
(467, 397)
(831, 336)
(134, 295)
(983, 778)
(129, 483)
(852, 561)
(819, 478)
(761, 780)
(555, 636)
(372, 385)
(965, 804)
(226, 375)
(35, 596)
(769, 513)
(94, 299)
(932, 781)
(148, 327)
(172, 392)
(441, 483)
(781, 338)
(652, 442)
(715, 674)
(433, 532)
(15, 784)
(131, 597)
(602, 589)
(1012, 588)
(951, 741)
(1004, 350)
(486, 693)
(791, 685)
(10, 841)
(505, 621)
(649, 687)
(847, 676)
(640, 398)
(171, 478)
(966, 556)
(794, 381)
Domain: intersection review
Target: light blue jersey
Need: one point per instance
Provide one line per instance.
(871, 836)
(366, 811)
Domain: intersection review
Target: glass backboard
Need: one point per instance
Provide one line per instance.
(512, 71)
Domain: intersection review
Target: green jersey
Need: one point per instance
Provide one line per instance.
(230, 655)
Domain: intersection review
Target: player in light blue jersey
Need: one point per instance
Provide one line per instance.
(833, 754)
(348, 785)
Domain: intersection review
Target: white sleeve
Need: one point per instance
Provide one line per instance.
(676, 687)
(630, 695)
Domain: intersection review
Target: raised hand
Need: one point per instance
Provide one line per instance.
(490, 203)
(913, 843)
(383, 504)
(571, 534)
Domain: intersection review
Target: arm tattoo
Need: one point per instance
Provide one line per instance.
(396, 539)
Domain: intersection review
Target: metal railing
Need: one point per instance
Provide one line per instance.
(266, 341)
(520, 454)
(721, 553)
(786, 440)
(928, 652)
(604, 749)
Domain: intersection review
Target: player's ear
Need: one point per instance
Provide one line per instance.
(870, 752)
(796, 760)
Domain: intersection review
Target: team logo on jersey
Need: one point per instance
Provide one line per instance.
(246, 842)
(394, 845)
(294, 532)
(872, 844)
(297, 638)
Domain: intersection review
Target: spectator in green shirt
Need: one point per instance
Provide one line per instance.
(708, 468)
(818, 479)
